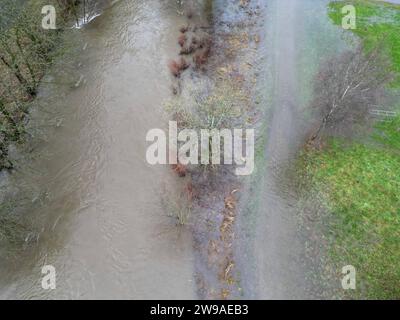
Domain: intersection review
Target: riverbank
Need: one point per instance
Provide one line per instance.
(357, 181)
(27, 51)
(216, 91)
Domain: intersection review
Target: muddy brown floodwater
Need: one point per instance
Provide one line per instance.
(280, 265)
(95, 200)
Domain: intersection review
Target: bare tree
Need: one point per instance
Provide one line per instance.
(10, 59)
(26, 51)
(347, 86)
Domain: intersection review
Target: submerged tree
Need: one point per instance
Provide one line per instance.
(26, 52)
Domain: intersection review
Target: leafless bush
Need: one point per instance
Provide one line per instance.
(217, 108)
(210, 107)
(347, 86)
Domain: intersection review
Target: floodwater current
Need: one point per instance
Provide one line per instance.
(93, 201)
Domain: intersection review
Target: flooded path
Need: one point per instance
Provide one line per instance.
(282, 276)
(299, 37)
(94, 200)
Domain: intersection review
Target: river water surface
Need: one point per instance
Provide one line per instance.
(95, 204)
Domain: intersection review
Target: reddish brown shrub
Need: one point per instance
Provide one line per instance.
(180, 169)
(201, 58)
(182, 40)
(190, 191)
(174, 68)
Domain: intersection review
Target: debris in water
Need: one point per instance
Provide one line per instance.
(78, 83)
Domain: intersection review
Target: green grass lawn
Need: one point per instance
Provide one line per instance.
(378, 23)
(360, 182)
